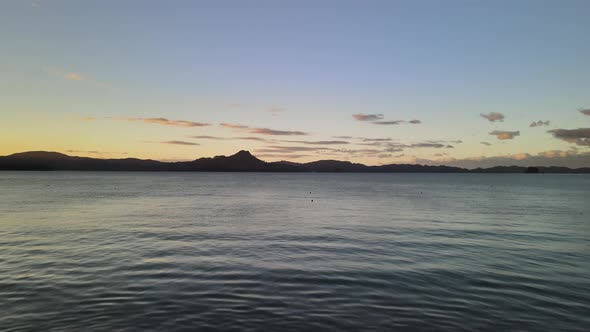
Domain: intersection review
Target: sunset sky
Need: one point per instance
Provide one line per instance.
(468, 83)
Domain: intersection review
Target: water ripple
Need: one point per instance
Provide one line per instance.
(84, 256)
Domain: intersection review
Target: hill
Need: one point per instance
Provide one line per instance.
(242, 161)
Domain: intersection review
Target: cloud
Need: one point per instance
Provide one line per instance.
(219, 138)
(580, 136)
(343, 137)
(585, 111)
(179, 143)
(275, 149)
(557, 154)
(82, 151)
(95, 152)
(290, 149)
(493, 116)
(359, 151)
(503, 135)
(275, 110)
(85, 118)
(377, 139)
(233, 126)
(398, 147)
(367, 117)
(384, 155)
(273, 156)
(252, 139)
(210, 137)
(377, 119)
(166, 122)
(325, 142)
(539, 123)
(571, 158)
(318, 142)
(266, 131)
(486, 143)
(396, 122)
(159, 121)
(457, 142)
(72, 76)
(429, 145)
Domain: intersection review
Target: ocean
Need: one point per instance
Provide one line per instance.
(117, 251)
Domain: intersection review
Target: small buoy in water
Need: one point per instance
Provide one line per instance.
(312, 200)
(310, 192)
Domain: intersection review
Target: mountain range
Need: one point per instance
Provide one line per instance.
(242, 161)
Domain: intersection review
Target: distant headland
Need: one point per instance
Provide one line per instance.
(242, 161)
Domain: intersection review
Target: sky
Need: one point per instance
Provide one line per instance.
(460, 82)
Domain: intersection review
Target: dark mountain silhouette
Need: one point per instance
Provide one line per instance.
(242, 161)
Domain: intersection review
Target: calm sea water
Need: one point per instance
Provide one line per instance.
(253, 252)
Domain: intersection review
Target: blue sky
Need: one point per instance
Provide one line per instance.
(78, 76)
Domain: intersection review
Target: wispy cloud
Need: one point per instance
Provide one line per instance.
(486, 143)
(504, 135)
(158, 121)
(377, 119)
(431, 145)
(571, 158)
(290, 149)
(398, 147)
(539, 123)
(233, 126)
(211, 137)
(96, 152)
(394, 149)
(279, 156)
(83, 151)
(367, 117)
(343, 137)
(85, 118)
(493, 116)
(396, 122)
(377, 139)
(260, 139)
(167, 122)
(580, 136)
(220, 138)
(72, 76)
(366, 152)
(274, 111)
(263, 131)
(266, 131)
(318, 142)
(179, 143)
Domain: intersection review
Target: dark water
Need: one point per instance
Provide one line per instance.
(219, 251)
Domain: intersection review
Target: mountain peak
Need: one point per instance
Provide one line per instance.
(244, 153)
